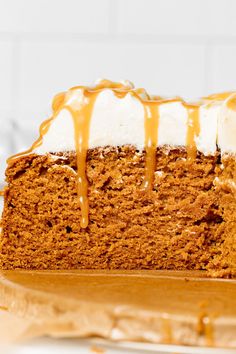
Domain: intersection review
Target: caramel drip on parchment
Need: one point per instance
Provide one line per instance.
(209, 332)
(205, 328)
(193, 130)
(167, 337)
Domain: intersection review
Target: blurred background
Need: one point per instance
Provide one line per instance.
(170, 47)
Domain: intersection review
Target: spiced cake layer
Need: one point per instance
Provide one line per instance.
(164, 198)
(186, 222)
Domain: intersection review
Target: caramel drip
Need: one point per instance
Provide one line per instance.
(142, 93)
(58, 101)
(81, 118)
(231, 102)
(97, 350)
(166, 331)
(4, 308)
(218, 96)
(105, 84)
(205, 328)
(1, 193)
(209, 332)
(151, 136)
(193, 130)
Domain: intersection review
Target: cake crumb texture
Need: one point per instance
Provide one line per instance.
(186, 222)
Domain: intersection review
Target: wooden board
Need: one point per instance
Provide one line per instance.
(153, 306)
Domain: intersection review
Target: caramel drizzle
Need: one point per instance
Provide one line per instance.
(81, 112)
(205, 328)
(218, 96)
(166, 331)
(151, 119)
(81, 118)
(231, 102)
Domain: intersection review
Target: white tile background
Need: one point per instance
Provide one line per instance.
(171, 47)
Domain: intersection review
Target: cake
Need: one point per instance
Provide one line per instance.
(120, 179)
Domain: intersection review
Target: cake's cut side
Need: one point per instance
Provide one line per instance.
(225, 188)
(120, 179)
(187, 221)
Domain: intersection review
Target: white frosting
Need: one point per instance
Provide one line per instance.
(172, 128)
(227, 127)
(119, 121)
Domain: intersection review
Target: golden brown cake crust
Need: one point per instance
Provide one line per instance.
(186, 222)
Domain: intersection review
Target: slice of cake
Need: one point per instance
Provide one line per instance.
(119, 179)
